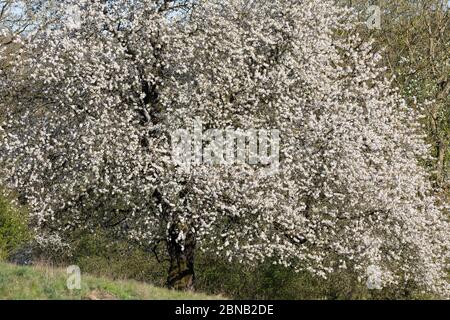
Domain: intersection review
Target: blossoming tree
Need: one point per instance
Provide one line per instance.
(88, 144)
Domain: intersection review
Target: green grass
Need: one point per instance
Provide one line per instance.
(46, 283)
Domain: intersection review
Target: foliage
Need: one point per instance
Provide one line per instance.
(101, 256)
(13, 228)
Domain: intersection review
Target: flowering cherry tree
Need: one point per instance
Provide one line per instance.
(88, 142)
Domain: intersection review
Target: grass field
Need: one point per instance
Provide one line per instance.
(46, 283)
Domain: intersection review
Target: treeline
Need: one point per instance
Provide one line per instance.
(414, 39)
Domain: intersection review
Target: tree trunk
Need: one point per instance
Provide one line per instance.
(181, 270)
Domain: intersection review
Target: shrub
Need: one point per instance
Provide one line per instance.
(13, 228)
